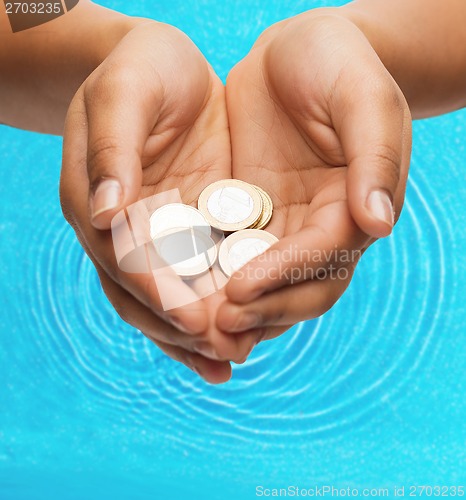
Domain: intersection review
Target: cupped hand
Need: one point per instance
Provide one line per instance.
(318, 122)
(150, 118)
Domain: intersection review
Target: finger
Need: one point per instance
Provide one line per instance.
(356, 114)
(212, 345)
(136, 314)
(220, 346)
(330, 241)
(121, 114)
(131, 96)
(172, 342)
(158, 288)
(375, 131)
(372, 120)
(99, 244)
(249, 339)
(213, 372)
(289, 305)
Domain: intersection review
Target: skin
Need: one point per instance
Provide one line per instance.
(315, 137)
(169, 136)
(319, 137)
(402, 33)
(43, 67)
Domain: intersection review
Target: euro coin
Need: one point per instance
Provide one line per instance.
(267, 209)
(177, 216)
(189, 252)
(231, 205)
(241, 247)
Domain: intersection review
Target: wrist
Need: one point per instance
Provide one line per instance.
(388, 44)
(403, 33)
(111, 34)
(66, 50)
(103, 29)
(373, 30)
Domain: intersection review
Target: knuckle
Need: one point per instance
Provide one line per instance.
(246, 350)
(258, 336)
(100, 155)
(325, 306)
(70, 213)
(171, 351)
(114, 78)
(274, 315)
(175, 37)
(381, 86)
(242, 355)
(270, 33)
(120, 305)
(67, 212)
(390, 158)
(124, 314)
(330, 297)
(389, 97)
(393, 98)
(122, 310)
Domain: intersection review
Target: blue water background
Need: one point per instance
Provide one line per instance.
(370, 395)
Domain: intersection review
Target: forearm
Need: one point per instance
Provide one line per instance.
(423, 45)
(42, 67)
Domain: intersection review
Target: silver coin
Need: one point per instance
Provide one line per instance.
(177, 216)
(241, 247)
(230, 205)
(189, 252)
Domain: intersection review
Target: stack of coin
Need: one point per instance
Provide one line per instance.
(267, 209)
(231, 205)
(182, 238)
(182, 234)
(243, 209)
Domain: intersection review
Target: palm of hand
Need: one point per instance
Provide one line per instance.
(290, 149)
(302, 166)
(196, 155)
(187, 146)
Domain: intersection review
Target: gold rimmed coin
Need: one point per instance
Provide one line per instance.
(231, 205)
(267, 209)
(176, 216)
(241, 247)
(188, 252)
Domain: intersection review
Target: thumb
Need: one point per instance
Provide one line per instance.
(375, 133)
(120, 118)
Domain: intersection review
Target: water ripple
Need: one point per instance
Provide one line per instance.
(316, 380)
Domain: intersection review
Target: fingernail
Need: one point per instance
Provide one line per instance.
(206, 350)
(245, 321)
(381, 207)
(107, 196)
